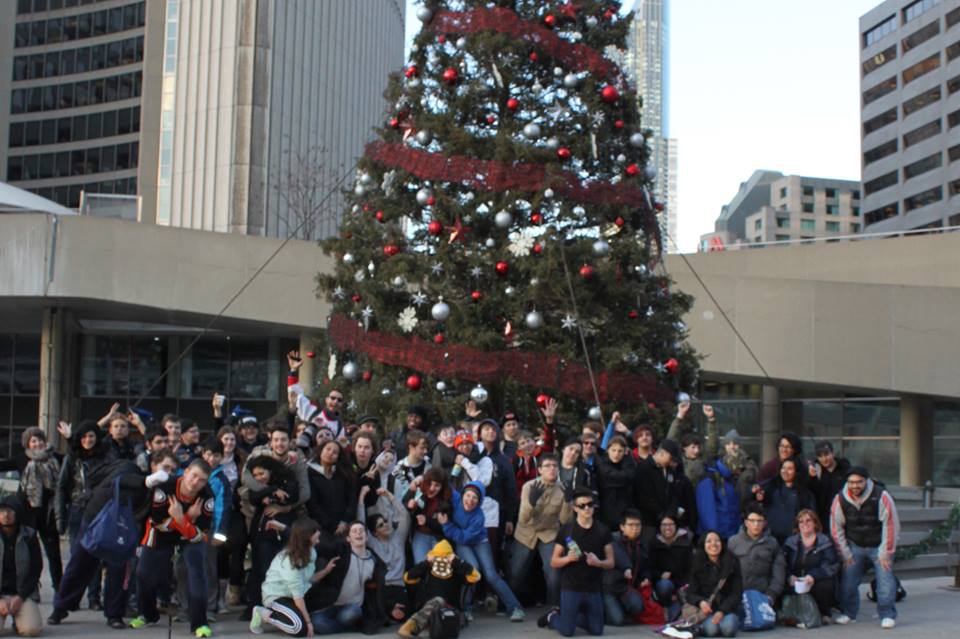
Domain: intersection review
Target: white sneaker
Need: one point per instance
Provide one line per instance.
(256, 620)
(887, 623)
(842, 620)
(670, 631)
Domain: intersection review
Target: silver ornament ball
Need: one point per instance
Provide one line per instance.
(386, 392)
(350, 370)
(591, 22)
(557, 71)
(621, 158)
(399, 282)
(601, 248)
(509, 291)
(650, 172)
(571, 80)
(637, 140)
(424, 137)
(490, 243)
(503, 219)
(348, 258)
(531, 131)
(424, 14)
(359, 190)
(553, 144)
(423, 196)
(683, 397)
(534, 320)
(594, 413)
(461, 43)
(366, 179)
(440, 311)
(413, 83)
(479, 394)
(548, 193)
(441, 387)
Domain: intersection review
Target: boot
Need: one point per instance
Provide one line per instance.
(410, 628)
(233, 595)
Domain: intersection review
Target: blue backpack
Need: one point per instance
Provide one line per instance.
(113, 535)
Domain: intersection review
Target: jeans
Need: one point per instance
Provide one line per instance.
(520, 564)
(333, 619)
(664, 590)
(213, 586)
(154, 567)
(850, 583)
(727, 627)
(421, 544)
(620, 609)
(480, 556)
(579, 609)
(74, 521)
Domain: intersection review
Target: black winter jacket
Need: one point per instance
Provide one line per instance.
(325, 593)
(615, 483)
(675, 558)
(704, 577)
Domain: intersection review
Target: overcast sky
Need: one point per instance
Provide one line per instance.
(758, 84)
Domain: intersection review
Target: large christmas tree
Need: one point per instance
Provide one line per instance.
(501, 241)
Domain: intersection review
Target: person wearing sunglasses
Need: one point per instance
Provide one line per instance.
(577, 553)
(308, 411)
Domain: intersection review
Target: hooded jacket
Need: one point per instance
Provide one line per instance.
(762, 565)
(706, 575)
(889, 520)
(674, 558)
(718, 502)
(325, 593)
(26, 547)
(615, 483)
(781, 503)
(74, 486)
(444, 577)
(463, 527)
(627, 555)
(820, 562)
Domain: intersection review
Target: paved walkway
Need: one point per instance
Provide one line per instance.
(929, 612)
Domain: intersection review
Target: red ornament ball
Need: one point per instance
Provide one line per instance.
(658, 206)
(538, 248)
(476, 295)
(610, 93)
(414, 382)
(438, 338)
(633, 170)
(441, 38)
(609, 13)
(491, 119)
(366, 208)
(563, 153)
(550, 20)
(450, 75)
(533, 56)
(435, 227)
(502, 268)
(542, 400)
(672, 365)
(633, 315)
(513, 104)
(431, 201)
(619, 222)
(394, 123)
(618, 124)
(380, 216)
(356, 297)
(536, 218)
(587, 271)
(311, 354)
(367, 376)
(390, 250)
(411, 71)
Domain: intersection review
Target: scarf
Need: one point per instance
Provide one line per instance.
(40, 474)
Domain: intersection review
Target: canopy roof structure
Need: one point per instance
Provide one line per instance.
(16, 200)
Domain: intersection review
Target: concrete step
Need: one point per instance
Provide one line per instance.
(937, 564)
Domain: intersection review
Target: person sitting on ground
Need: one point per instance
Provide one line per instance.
(762, 565)
(811, 558)
(622, 599)
(671, 552)
(21, 566)
(389, 529)
(439, 581)
(715, 586)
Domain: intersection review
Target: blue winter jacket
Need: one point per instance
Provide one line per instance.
(223, 501)
(718, 507)
(466, 527)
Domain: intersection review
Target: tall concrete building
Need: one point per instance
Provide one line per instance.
(648, 65)
(203, 108)
(910, 114)
(772, 207)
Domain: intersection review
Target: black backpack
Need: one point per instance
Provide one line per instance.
(445, 623)
(872, 593)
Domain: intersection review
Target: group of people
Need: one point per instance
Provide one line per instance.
(312, 526)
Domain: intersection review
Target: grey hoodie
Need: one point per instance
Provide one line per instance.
(762, 565)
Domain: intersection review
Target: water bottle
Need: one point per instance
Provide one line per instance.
(574, 547)
(418, 497)
(456, 470)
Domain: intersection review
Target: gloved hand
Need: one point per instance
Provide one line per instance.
(157, 478)
(536, 492)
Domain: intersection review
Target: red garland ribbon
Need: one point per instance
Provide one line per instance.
(498, 177)
(539, 370)
(578, 57)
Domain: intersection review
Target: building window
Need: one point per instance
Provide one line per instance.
(830, 193)
(922, 133)
(75, 94)
(833, 209)
(924, 99)
(953, 17)
(855, 211)
(921, 68)
(921, 35)
(879, 152)
(953, 119)
(808, 207)
(808, 191)
(953, 51)
(878, 91)
(953, 85)
(783, 192)
(877, 61)
(782, 238)
(920, 167)
(855, 195)
(917, 9)
(808, 225)
(757, 225)
(923, 199)
(880, 183)
(61, 130)
(883, 213)
(76, 27)
(875, 123)
(783, 222)
(833, 227)
(954, 153)
(880, 31)
(854, 228)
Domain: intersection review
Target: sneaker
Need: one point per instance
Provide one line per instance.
(468, 615)
(222, 607)
(544, 619)
(203, 631)
(842, 620)
(670, 631)
(518, 615)
(409, 629)
(801, 626)
(116, 623)
(256, 620)
(826, 620)
(56, 617)
(888, 623)
(139, 622)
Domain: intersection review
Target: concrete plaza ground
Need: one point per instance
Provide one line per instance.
(929, 612)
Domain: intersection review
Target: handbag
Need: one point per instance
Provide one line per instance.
(692, 616)
(758, 613)
(113, 535)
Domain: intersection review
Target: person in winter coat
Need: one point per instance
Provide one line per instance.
(438, 582)
(631, 571)
(87, 452)
(827, 477)
(671, 552)
(414, 465)
(465, 528)
(782, 498)
(333, 500)
(696, 454)
(21, 566)
(654, 491)
(790, 445)
(278, 448)
(574, 474)
(388, 538)
(718, 502)
(427, 495)
(762, 565)
(715, 586)
(615, 482)
(501, 490)
(811, 557)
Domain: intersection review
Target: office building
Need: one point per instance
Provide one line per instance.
(202, 108)
(772, 207)
(910, 114)
(647, 65)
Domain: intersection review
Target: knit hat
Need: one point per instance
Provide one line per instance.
(441, 549)
(731, 436)
(368, 418)
(463, 437)
(475, 488)
(671, 447)
(858, 470)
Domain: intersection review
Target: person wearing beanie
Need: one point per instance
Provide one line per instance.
(439, 580)
(316, 416)
(865, 527)
(509, 429)
(654, 487)
(21, 563)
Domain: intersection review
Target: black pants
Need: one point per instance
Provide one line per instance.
(77, 577)
(265, 546)
(42, 521)
(285, 617)
(230, 559)
(824, 592)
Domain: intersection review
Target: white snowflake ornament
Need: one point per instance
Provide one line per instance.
(520, 244)
(407, 320)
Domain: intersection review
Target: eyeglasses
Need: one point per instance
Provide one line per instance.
(586, 504)
(589, 443)
(755, 521)
(667, 524)
(805, 520)
(382, 523)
